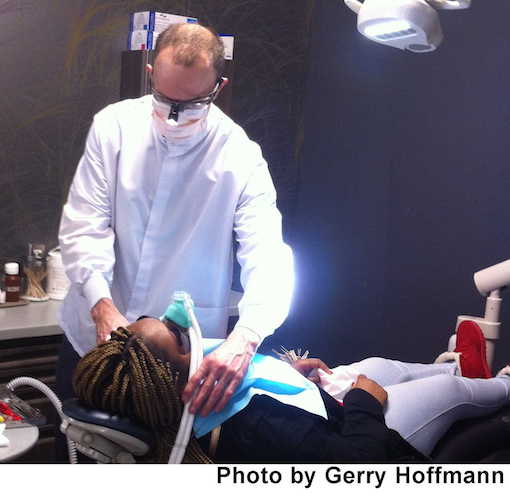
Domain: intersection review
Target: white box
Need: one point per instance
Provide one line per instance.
(228, 43)
(156, 21)
(142, 40)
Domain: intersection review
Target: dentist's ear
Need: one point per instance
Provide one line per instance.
(149, 69)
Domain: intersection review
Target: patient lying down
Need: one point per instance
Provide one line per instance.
(390, 411)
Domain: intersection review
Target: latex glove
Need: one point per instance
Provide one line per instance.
(373, 388)
(220, 372)
(308, 368)
(107, 318)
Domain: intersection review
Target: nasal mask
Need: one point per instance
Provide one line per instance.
(180, 125)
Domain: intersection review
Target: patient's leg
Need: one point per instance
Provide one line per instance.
(388, 372)
(423, 410)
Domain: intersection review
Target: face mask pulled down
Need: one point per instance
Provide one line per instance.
(187, 130)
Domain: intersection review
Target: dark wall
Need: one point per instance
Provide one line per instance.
(60, 64)
(403, 183)
(404, 187)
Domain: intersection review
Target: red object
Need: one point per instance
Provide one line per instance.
(471, 344)
(6, 410)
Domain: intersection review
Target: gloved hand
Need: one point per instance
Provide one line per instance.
(107, 318)
(220, 372)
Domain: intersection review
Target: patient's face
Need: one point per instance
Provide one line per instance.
(161, 341)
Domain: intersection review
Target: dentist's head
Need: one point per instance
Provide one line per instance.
(186, 78)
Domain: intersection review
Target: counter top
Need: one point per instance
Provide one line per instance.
(20, 441)
(36, 319)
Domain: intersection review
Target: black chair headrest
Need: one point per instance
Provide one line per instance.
(74, 409)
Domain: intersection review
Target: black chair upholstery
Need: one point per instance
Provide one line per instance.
(72, 408)
(474, 440)
(477, 440)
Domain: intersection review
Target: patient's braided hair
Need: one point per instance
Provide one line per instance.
(122, 376)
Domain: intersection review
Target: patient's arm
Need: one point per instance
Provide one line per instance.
(308, 367)
(269, 431)
(372, 387)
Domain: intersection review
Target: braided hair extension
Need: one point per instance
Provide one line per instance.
(122, 376)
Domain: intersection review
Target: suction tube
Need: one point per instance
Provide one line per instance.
(37, 384)
(186, 425)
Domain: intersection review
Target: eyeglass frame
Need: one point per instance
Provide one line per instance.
(177, 106)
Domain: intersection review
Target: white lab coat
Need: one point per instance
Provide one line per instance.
(145, 218)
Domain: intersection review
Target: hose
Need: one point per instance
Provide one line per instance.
(37, 384)
(184, 432)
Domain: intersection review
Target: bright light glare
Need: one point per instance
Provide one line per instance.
(385, 27)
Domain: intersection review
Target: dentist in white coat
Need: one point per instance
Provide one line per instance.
(165, 183)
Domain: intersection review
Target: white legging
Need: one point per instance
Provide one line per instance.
(425, 400)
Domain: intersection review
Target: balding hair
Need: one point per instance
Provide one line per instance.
(189, 42)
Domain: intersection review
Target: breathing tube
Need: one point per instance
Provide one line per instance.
(181, 312)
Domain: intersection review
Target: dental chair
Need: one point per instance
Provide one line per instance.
(109, 438)
(484, 439)
(476, 440)
(104, 437)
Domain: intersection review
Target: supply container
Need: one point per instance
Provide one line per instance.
(35, 272)
(58, 282)
(142, 40)
(12, 282)
(156, 21)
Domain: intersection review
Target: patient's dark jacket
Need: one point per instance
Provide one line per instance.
(268, 431)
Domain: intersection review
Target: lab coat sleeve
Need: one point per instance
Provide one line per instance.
(86, 236)
(267, 267)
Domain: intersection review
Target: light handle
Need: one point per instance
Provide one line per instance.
(355, 5)
(450, 4)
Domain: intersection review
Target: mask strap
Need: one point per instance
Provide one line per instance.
(174, 113)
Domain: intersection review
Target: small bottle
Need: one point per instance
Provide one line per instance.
(12, 282)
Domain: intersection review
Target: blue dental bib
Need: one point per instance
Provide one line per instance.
(265, 375)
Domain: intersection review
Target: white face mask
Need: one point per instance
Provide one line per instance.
(189, 125)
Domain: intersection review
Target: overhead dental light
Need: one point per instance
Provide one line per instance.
(404, 24)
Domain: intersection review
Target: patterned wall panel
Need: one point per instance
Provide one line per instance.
(60, 63)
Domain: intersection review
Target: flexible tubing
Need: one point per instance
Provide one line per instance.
(37, 384)
(186, 425)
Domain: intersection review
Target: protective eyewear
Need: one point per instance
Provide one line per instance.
(196, 104)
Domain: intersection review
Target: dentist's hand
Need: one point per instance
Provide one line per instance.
(220, 372)
(107, 318)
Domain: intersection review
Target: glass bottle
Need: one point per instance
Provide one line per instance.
(35, 272)
(12, 282)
